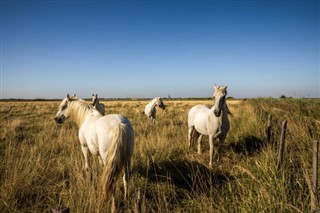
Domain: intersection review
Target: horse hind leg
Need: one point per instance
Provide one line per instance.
(199, 144)
(126, 178)
(191, 134)
(100, 161)
(85, 152)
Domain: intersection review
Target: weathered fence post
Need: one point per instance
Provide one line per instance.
(268, 130)
(314, 193)
(310, 131)
(282, 142)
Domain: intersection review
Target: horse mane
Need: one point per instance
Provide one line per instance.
(79, 109)
(154, 103)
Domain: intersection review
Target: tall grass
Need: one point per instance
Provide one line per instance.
(41, 164)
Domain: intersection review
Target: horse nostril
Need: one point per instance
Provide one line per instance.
(58, 119)
(217, 113)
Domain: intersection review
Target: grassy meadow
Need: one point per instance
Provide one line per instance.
(41, 163)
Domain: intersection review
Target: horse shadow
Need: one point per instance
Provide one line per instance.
(186, 175)
(248, 145)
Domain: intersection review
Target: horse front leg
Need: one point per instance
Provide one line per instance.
(211, 142)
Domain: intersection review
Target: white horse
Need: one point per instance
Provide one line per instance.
(97, 105)
(213, 122)
(111, 137)
(150, 109)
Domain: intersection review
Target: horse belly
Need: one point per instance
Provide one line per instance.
(92, 142)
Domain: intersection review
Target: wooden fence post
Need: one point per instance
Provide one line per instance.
(282, 142)
(310, 131)
(268, 130)
(314, 193)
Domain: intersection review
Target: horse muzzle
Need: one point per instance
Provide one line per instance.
(59, 119)
(217, 113)
(162, 106)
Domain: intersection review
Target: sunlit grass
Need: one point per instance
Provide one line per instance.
(41, 164)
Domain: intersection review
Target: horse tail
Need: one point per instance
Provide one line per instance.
(117, 157)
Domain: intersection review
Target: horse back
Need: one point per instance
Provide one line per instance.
(105, 129)
(109, 121)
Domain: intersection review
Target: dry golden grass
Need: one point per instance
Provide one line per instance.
(41, 162)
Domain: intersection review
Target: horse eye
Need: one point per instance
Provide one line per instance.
(64, 107)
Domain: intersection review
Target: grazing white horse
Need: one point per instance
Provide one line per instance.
(97, 105)
(213, 122)
(150, 109)
(111, 137)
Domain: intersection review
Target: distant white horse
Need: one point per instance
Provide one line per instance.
(97, 105)
(111, 137)
(150, 109)
(213, 122)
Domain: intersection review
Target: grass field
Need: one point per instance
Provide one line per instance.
(41, 162)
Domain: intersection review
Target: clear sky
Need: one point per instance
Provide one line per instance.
(159, 48)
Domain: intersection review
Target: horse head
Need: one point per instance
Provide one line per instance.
(160, 103)
(94, 99)
(219, 95)
(63, 112)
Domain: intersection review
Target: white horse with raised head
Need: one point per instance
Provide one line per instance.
(213, 121)
(150, 109)
(111, 137)
(97, 105)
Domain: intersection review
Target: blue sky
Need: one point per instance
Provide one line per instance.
(156, 48)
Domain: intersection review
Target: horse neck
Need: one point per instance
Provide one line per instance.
(78, 112)
(224, 111)
(95, 101)
(154, 104)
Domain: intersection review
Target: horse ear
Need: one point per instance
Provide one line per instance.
(68, 96)
(215, 87)
(226, 86)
